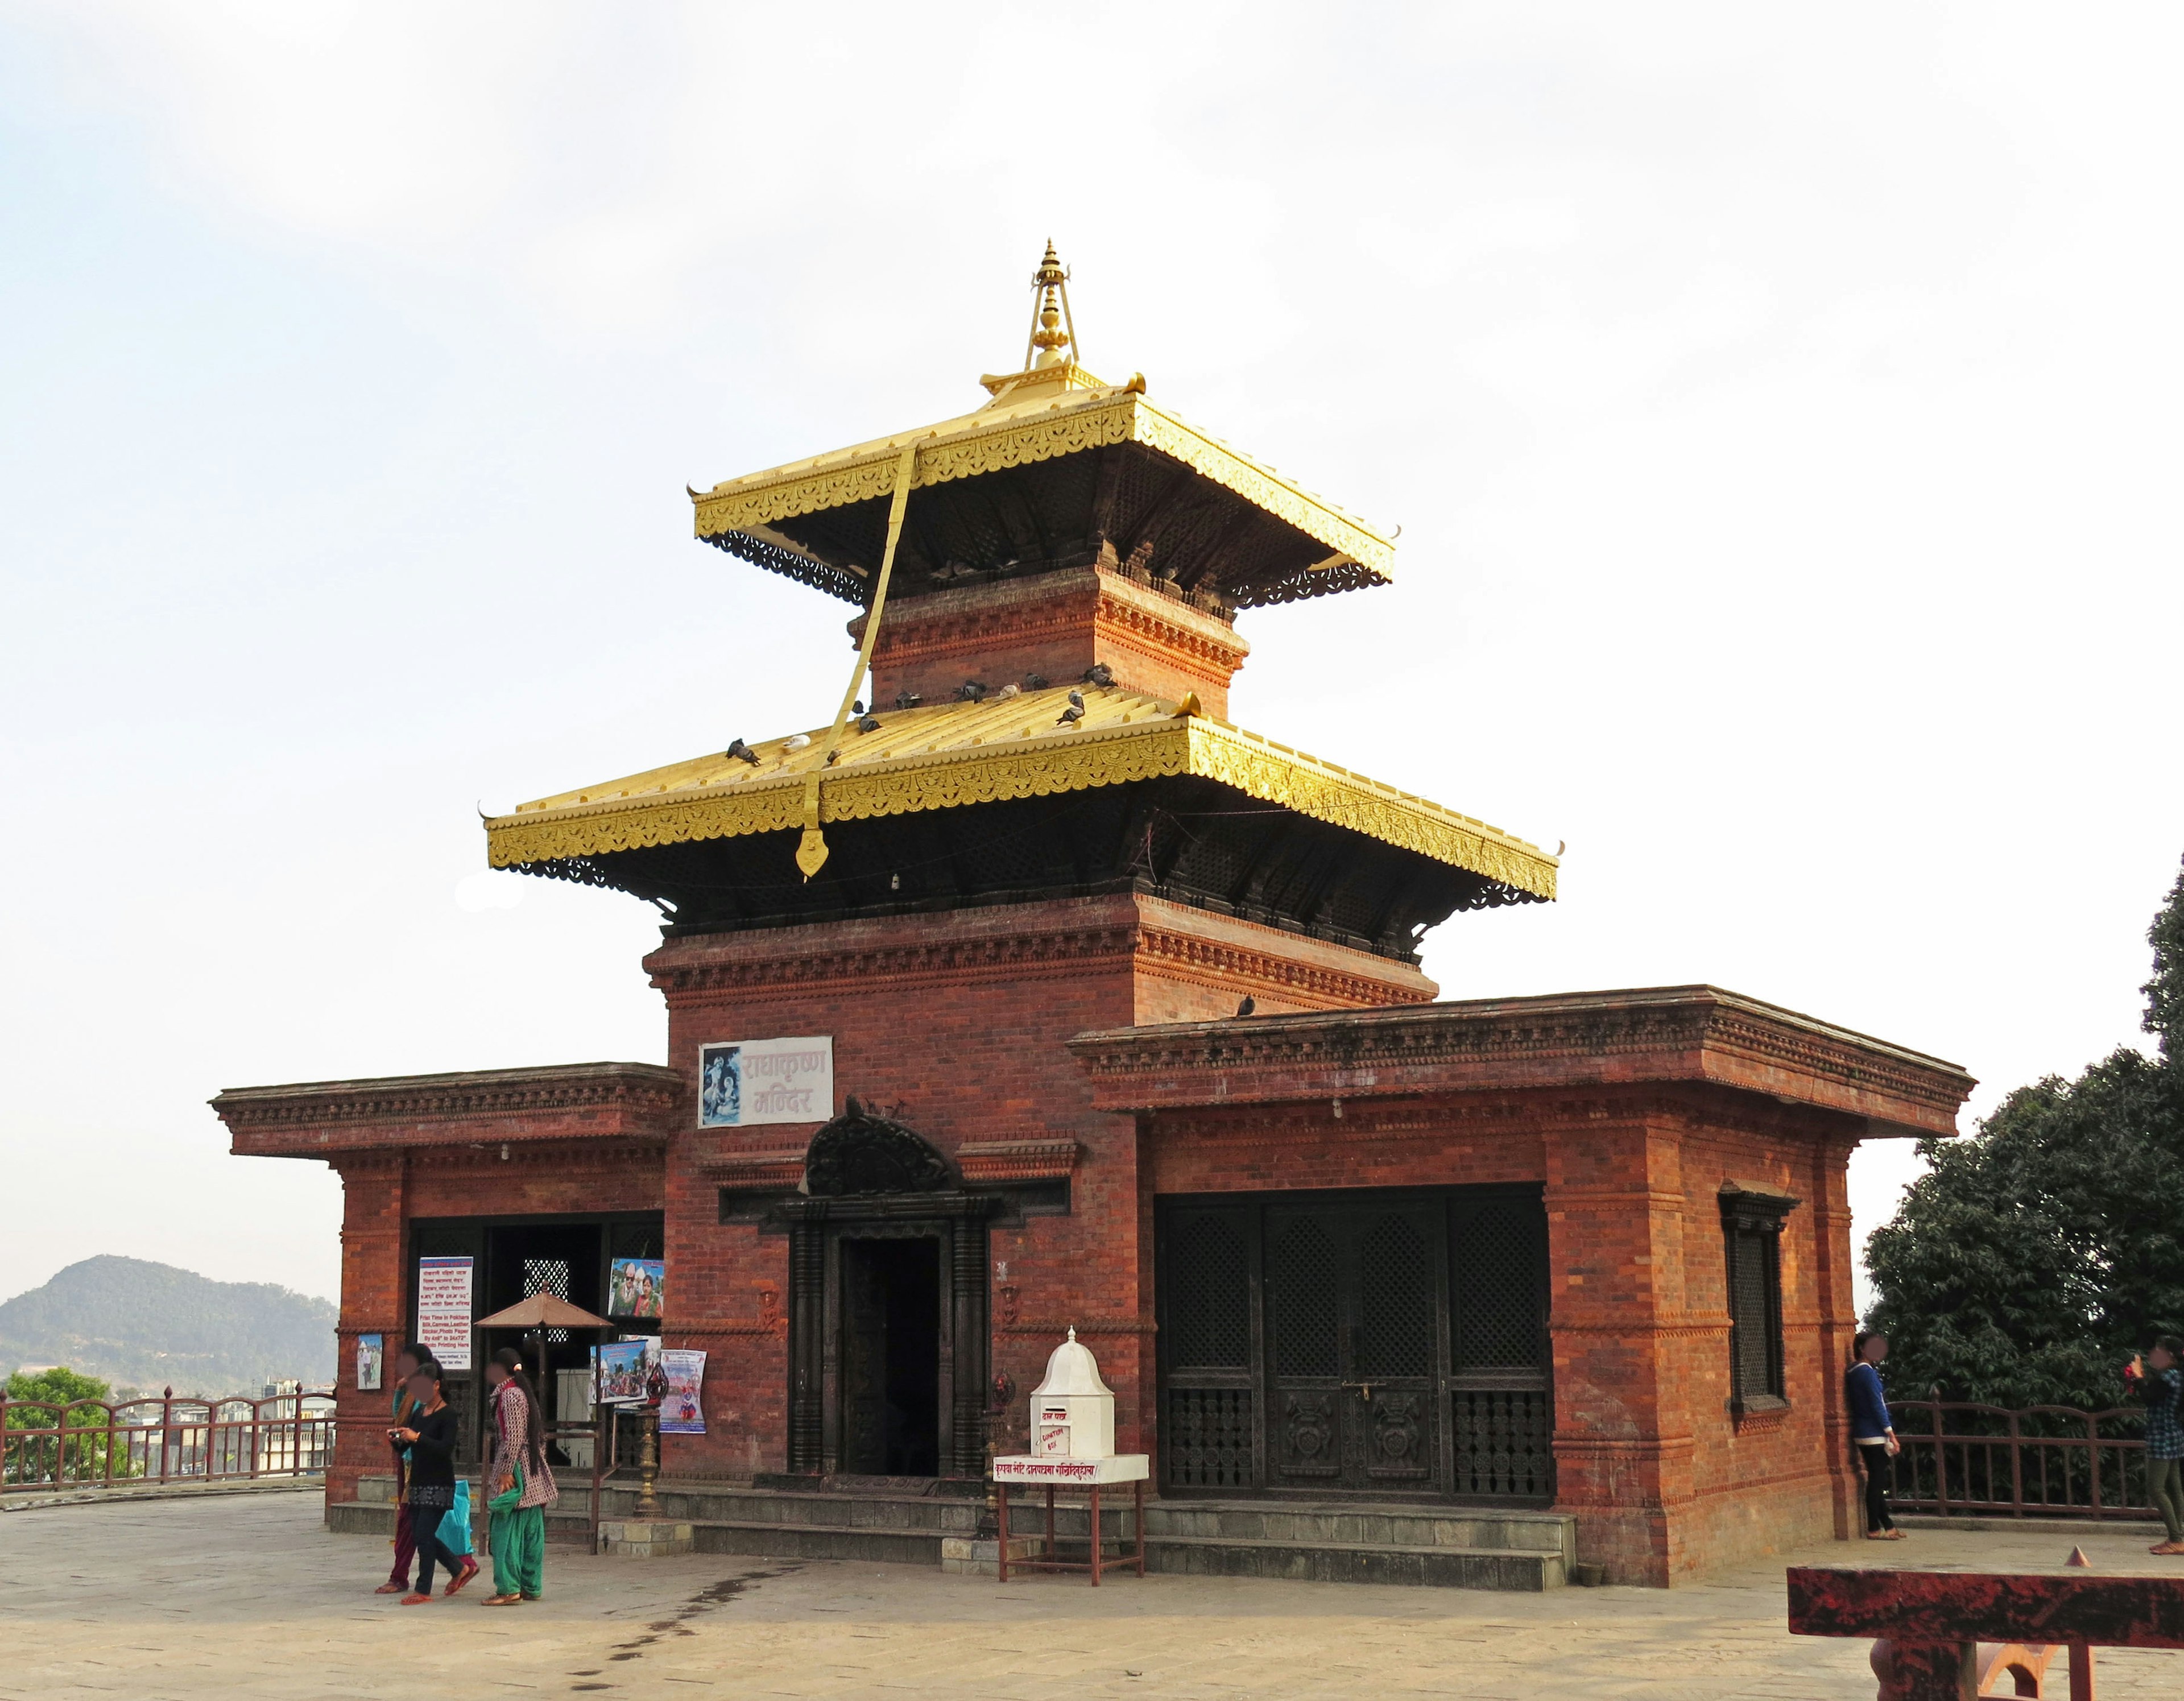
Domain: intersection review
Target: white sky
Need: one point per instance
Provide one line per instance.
(1780, 406)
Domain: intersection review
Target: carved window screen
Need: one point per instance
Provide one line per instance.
(1751, 1238)
(1395, 1268)
(1496, 1263)
(1303, 1308)
(548, 1275)
(1209, 1309)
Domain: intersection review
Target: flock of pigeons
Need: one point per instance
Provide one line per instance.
(1099, 676)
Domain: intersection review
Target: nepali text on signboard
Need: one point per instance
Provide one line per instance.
(744, 1082)
(443, 1310)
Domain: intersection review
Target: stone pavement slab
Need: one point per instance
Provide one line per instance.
(250, 1595)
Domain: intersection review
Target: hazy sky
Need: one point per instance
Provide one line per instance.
(1781, 406)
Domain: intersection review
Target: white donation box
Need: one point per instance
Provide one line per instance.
(1072, 1412)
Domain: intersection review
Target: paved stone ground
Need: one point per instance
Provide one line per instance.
(248, 1597)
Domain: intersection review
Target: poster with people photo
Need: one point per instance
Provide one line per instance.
(370, 1358)
(623, 1367)
(635, 1286)
(682, 1411)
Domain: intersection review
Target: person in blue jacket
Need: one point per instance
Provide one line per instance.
(1872, 1433)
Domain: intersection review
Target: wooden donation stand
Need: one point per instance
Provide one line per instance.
(1072, 1429)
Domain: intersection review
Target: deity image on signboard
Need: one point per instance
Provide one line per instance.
(720, 1092)
(636, 1287)
(371, 1355)
(742, 1083)
(681, 1410)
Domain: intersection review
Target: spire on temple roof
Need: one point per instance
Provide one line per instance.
(1056, 471)
(1052, 327)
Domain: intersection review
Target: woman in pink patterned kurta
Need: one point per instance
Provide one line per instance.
(518, 1458)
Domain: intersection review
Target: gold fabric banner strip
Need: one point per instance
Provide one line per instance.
(811, 848)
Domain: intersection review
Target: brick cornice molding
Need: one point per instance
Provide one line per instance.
(1149, 935)
(1683, 1033)
(983, 1161)
(1178, 955)
(751, 1171)
(563, 1157)
(557, 1102)
(1053, 606)
(924, 963)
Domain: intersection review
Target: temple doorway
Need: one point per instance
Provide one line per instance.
(1388, 1344)
(887, 1306)
(890, 1356)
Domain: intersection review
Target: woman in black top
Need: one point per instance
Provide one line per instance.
(429, 1436)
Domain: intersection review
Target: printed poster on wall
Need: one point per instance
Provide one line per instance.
(745, 1082)
(443, 1310)
(636, 1287)
(623, 1367)
(682, 1411)
(370, 1356)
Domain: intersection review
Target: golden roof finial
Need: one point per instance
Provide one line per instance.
(1053, 328)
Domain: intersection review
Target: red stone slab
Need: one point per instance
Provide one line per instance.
(1983, 1606)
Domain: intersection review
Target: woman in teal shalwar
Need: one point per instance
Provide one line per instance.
(520, 1485)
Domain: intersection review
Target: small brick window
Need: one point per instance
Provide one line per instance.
(1751, 1238)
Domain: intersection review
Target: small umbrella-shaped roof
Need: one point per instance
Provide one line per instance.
(543, 1311)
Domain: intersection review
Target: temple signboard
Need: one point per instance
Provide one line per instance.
(443, 1310)
(745, 1082)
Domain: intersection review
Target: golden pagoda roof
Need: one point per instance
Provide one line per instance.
(1242, 533)
(951, 754)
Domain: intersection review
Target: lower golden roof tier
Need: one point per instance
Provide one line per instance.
(1017, 747)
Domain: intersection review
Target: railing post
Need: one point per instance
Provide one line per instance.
(2016, 1468)
(107, 1474)
(1940, 1462)
(2094, 1453)
(166, 1428)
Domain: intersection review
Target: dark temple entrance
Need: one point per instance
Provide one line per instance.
(887, 1306)
(890, 1357)
(1368, 1343)
(510, 1259)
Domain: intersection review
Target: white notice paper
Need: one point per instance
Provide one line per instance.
(443, 1310)
(745, 1082)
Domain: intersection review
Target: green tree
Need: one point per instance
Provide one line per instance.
(42, 1400)
(2033, 1257)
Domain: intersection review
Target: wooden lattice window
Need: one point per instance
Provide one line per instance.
(1752, 1237)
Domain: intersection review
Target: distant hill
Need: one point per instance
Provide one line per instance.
(152, 1326)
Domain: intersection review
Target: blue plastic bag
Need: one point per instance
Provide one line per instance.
(455, 1522)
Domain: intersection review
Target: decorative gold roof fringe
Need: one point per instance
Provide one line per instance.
(1100, 418)
(968, 753)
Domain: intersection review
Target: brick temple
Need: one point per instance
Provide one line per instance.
(1033, 992)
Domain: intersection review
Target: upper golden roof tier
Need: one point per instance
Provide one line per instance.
(1057, 469)
(1015, 746)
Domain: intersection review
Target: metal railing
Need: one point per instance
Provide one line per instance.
(47, 1445)
(1962, 1458)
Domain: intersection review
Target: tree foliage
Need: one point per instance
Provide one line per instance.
(47, 1400)
(2033, 1257)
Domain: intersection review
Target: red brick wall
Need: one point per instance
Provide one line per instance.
(1664, 1484)
(374, 1227)
(383, 1192)
(1057, 625)
(958, 1019)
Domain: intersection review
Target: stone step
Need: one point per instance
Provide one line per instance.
(780, 1541)
(377, 1518)
(1343, 1525)
(1448, 1568)
(726, 1504)
(1467, 1548)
